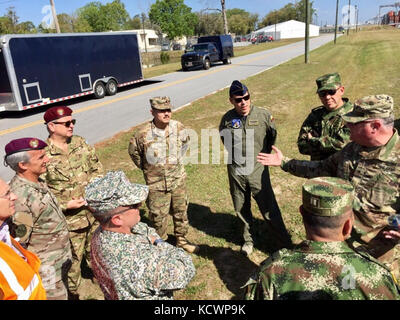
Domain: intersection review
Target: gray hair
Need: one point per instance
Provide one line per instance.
(13, 159)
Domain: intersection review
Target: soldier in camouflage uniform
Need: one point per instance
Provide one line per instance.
(73, 163)
(323, 267)
(39, 222)
(371, 163)
(129, 259)
(157, 148)
(324, 132)
(245, 131)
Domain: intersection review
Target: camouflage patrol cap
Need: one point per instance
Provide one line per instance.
(113, 190)
(161, 103)
(370, 107)
(330, 81)
(327, 196)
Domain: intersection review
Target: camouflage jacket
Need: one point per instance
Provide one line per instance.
(159, 154)
(328, 130)
(130, 267)
(69, 173)
(374, 173)
(40, 225)
(321, 271)
(245, 137)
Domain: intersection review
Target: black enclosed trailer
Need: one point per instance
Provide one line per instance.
(36, 70)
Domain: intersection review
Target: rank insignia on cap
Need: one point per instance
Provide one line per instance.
(60, 112)
(314, 202)
(236, 123)
(34, 143)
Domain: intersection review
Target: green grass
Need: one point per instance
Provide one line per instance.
(368, 64)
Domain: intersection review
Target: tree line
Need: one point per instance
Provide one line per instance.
(171, 17)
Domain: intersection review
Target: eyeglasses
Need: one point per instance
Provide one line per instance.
(245, 98)
(326, 92)
(162, 111)
(134, 206)
(67, 123)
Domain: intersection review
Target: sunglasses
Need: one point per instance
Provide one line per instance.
(66, 123)
(326, 92)
(245, 98)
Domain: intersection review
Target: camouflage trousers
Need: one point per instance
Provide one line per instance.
(163, 203)
(258, 186)
(80, 247)
(55, 280)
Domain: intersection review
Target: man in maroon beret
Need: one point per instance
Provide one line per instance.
(73, 164)
(39, 222)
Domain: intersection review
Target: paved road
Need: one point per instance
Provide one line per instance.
(98, 120)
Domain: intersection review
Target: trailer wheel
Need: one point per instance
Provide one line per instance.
(227, 60)
(99, 90)
(111, 87)
(206, 64)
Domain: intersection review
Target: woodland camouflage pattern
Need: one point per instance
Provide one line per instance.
(328, 130)
(130, 267)
(321, 271)
(330, 81)
(40, 224)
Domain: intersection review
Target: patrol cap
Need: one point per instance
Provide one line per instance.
(55, 113)
(370, 107)
(330, 81)
(24, 144)
(112, 190)
(328, 196)
(161, 103)
(237, 89)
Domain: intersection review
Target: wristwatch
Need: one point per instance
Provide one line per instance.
(157, 241)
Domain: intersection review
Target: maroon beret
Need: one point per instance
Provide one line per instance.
(24, 144)
(55, 113)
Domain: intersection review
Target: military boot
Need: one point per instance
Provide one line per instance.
(183, 243)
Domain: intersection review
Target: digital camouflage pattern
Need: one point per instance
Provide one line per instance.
(375, 175)
(247, 177)
(330, 81)
(160, 103)
(39, 223)
(130, 267)
(370, 107)
(321, 271)
(327, 196)
(113, 190)
(328, 130)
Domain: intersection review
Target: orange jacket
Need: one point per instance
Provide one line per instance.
(19, 279)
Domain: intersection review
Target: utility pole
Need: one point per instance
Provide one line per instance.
(53, 10)
(336, 21)
(307, 44)
(224, 17)
(356, 17)
(144, 38)
(348, 19)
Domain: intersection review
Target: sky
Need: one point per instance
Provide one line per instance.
(37, 10)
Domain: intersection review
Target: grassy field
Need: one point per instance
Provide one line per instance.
(368, 64)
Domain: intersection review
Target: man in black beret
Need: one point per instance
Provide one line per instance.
(245, 130)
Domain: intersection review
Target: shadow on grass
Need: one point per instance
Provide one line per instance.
(234, 269)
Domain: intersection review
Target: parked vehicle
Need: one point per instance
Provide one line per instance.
(207, 51)
(165, 47)
(176, 46)
(41, 69)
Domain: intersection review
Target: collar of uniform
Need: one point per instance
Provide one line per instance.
(156, 131)
(239, 116)
(309, 246)
(40, 186)
(54, 150)
(346, 107)
(383, 152)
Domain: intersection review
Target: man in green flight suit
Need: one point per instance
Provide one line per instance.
(245, 131)
(324, 131)
(323, 267)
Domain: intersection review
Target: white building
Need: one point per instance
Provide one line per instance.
(147, 38)
(291, 29)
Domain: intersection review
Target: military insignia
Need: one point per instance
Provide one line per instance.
(253, 122)
(60, 112)
(236, 123)
(314, 202)
(271, 118)
(34, 143)
(20, 231)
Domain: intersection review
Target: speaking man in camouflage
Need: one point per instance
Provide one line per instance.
(129, 259)
(323, 267)
(371, 163)
(324, 132)
(157, 148)
(245, 131)
(72, 164)
(39, 222)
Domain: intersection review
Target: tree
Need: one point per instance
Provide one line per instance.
(240, 21)
(209, 24)
(134, 23)
(173, 17)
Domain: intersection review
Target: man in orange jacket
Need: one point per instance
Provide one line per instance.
(19, 268)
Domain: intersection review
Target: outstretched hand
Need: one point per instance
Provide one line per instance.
(271, 159)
